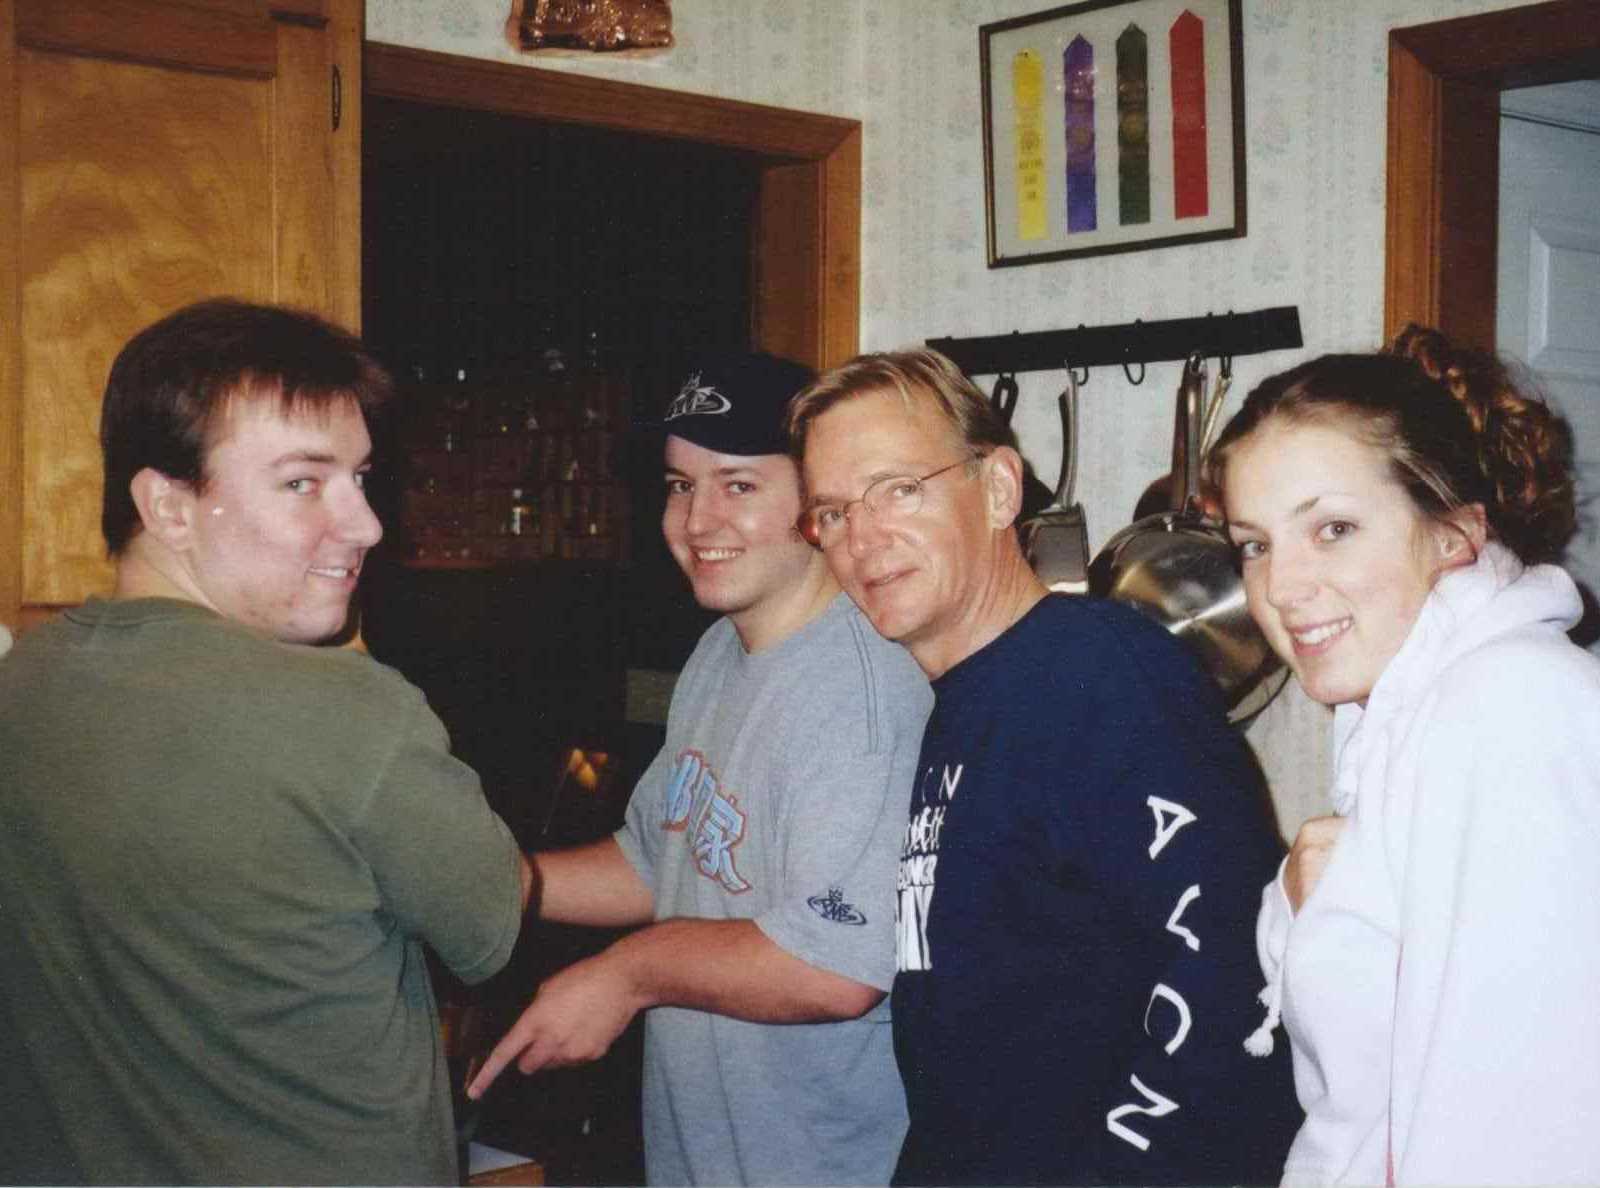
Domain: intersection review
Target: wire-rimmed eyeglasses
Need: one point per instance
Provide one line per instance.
(893, 497)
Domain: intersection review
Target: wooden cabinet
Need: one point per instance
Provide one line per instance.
(152, 153)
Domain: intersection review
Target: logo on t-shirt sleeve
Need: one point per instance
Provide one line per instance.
(832, 908)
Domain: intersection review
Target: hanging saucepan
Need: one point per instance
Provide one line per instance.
(1157, 496)
(1178, 567)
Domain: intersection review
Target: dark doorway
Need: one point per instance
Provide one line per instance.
(489, 239)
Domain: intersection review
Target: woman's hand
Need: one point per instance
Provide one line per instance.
(1308, 856)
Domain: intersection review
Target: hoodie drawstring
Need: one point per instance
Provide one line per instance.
(1259, 1041)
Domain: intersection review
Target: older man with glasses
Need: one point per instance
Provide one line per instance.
(1086, 839)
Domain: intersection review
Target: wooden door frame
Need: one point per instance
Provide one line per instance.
(11, 485)
(807, 239)
(1445, 80)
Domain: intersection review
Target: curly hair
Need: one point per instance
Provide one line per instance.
(1457, 428)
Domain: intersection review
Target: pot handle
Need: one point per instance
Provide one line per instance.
(1191, 411)
(1004, 396)
(1067, 478)
(1219, 397)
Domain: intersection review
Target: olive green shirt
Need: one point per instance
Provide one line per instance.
(220, 856)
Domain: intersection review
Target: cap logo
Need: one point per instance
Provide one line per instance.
(695, 399)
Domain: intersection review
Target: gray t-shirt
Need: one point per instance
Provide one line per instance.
(780, 797)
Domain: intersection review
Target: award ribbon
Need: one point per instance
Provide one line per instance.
(1078, 67)
(1133, 126)
(1189, 167)
(1027, 93)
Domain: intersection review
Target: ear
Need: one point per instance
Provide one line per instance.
(167, 507)
(1003, 486)
(1461, 535)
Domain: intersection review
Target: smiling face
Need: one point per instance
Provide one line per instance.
(926, 581)
(1337, 558)
(281, 524)
(729, 524)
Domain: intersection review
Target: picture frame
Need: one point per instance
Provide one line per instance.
(1112, 126)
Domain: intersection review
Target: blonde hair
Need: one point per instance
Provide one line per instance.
(916, 375)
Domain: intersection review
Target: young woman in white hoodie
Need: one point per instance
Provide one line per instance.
(1434, 948)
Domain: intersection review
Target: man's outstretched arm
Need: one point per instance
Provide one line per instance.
(590, 884)
(726, 967)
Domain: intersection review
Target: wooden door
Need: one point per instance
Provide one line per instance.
(152, 152)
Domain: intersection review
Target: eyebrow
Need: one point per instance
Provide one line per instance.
(315, 458)
(876, 476)
(1298, 509)
(819, 500)
(297, 456)
(719, 472)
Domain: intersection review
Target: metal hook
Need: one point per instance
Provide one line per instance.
(1226, 363)
(1126, 370)
(1078, 380)
(1004, 397)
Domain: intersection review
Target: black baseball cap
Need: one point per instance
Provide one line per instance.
(736, 403)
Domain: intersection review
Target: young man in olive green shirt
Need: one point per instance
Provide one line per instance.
(222, 850)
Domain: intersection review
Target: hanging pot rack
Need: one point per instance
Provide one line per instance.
(1221, 336)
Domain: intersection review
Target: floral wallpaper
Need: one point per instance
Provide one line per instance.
(1315, 100)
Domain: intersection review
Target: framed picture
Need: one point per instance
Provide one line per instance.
(1112, 126)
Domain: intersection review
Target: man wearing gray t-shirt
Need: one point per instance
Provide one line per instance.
(762, 840)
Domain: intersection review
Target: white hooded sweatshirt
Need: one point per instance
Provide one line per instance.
(1441, 985)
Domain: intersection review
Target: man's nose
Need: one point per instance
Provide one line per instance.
(702, 513)
(863, 529)
(357, 523)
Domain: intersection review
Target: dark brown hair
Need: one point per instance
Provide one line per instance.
(172, 385)
(913, 374)
(1456, 427)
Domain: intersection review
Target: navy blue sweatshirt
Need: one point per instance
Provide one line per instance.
(1078, 888)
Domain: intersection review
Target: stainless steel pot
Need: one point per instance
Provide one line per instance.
(1178, 567)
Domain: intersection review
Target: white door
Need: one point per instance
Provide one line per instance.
(1548, 312)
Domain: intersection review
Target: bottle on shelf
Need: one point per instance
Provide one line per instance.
(457, 404)
(530, 409)
(522, 520)
(504, 414)
(594, 411)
